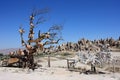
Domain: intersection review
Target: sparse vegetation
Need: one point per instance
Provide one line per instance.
(65, 54)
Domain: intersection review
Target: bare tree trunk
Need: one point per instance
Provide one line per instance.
(68, 63)
(93, 68)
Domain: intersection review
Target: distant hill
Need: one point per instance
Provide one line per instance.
(6, 51)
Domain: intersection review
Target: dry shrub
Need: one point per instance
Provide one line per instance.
(113, 69)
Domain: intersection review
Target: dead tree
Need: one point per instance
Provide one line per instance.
(50, 35)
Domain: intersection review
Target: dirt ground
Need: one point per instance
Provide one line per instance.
(57, 71)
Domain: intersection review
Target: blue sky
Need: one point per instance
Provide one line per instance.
(91, 19)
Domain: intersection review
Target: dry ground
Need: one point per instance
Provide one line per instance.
(57, 71)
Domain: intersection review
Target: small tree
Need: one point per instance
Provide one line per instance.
(1, 54)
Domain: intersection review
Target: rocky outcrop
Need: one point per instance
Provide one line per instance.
(89, 45)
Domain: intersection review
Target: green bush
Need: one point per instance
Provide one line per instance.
(65, 54)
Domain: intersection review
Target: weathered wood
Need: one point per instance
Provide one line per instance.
(49, 65)
(70, 63)
(13, 60)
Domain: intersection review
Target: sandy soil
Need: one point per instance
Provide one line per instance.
(57, 71)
